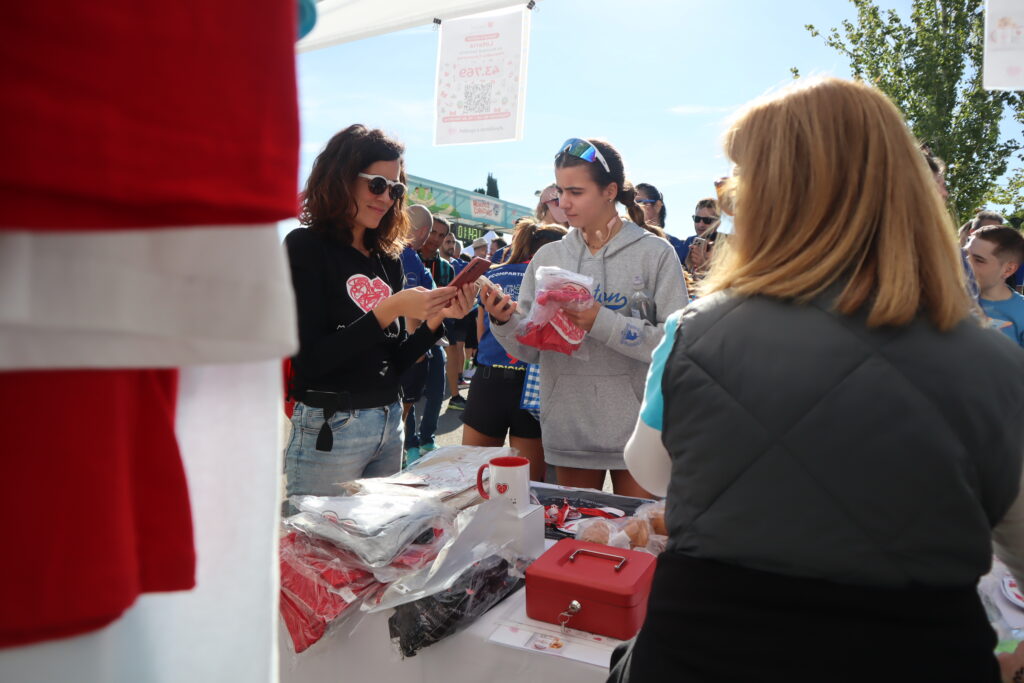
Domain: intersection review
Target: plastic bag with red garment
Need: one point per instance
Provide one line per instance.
(340, 551)
(317, 587)
(547, 327)
(322, 584)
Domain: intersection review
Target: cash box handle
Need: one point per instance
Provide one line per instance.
(622, 560)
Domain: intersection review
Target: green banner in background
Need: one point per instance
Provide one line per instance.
(473, 213)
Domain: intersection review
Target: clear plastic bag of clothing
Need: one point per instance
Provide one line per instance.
(480, 586)
(547, 327)
(320, 587)
(375, 527)
(476, 535)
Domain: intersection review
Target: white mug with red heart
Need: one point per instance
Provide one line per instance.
(509, 480)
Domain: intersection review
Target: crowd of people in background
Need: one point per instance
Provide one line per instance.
(828, 305)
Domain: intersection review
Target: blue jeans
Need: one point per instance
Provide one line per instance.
(434, 394)
(367, 443)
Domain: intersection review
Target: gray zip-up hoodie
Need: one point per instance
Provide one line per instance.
(589, 407)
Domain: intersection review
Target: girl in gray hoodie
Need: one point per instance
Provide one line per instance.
(589, 407)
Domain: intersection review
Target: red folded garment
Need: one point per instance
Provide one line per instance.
(556, 332)
(317, 587)
(321, 583)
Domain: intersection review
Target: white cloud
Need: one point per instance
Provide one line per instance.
(698, 109)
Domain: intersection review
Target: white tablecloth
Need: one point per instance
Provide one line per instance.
(363, 653)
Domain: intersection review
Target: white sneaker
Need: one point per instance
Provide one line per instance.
(468, 374)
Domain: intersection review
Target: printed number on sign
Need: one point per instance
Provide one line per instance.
(478, 71)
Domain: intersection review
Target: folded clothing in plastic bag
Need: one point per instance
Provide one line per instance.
(318, 585)
(415, 625)
(547, 327)
(375, 527)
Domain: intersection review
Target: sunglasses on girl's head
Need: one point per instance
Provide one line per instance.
(645, 201)
(378, 184)
(582, 149)
(707, 220)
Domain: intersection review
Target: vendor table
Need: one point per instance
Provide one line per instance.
(362, 653)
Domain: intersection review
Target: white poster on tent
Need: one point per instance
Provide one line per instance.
(1004, 45)
(481, 78)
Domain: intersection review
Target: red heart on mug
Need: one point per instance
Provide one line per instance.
(502, 488)
(367, 293)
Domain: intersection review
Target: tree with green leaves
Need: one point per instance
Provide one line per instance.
(930, 66)
(492, 186)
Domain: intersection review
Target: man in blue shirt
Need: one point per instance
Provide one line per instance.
(996, 252)
(414, 380)
(450, 249)
(416, 274)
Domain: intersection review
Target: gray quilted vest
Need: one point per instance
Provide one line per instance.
(806, 444)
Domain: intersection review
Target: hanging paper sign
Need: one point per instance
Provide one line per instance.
(1004, 45)
(481, 78)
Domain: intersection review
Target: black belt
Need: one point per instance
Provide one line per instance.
(489, 371)
(332, 402)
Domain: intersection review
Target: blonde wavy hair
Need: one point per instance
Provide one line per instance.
(830, 186)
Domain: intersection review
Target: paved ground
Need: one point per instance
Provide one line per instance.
(449, 426)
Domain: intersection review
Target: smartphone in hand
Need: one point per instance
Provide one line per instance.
(474, 269)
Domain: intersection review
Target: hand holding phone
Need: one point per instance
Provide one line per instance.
(473, 270)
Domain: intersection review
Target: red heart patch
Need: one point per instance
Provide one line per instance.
(502, 488)
(367, 293)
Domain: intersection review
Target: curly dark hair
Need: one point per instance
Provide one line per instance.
(327, 202)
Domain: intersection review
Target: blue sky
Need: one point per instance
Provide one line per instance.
(656, 78)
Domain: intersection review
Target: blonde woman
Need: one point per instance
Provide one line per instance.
(835, 470)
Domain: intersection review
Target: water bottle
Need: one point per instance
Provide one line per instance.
(641, 305)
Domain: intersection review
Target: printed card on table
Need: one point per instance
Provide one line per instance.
(1004, 45)
(481, 78)
(516, 630)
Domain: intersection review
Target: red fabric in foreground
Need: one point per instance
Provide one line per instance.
(127, 114)
(93, 497)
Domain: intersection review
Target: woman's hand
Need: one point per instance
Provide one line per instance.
(1011, 665)
(585, 318)
(417, 303)
(498, 305)
(458, 307)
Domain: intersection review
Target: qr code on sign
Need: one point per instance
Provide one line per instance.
(477, 98)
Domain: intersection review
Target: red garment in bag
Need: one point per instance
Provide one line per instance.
(94, 499)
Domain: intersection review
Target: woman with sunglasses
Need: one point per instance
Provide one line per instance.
(353, 344)
(652, 202)
(588, 407)
(835, 473)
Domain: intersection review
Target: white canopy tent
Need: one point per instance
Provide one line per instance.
(342, 21)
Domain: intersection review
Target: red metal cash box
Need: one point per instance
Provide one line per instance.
(590, 587)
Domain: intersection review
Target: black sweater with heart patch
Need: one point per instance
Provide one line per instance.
(342, 347)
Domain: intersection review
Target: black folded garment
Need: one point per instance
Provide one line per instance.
(415, 625)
